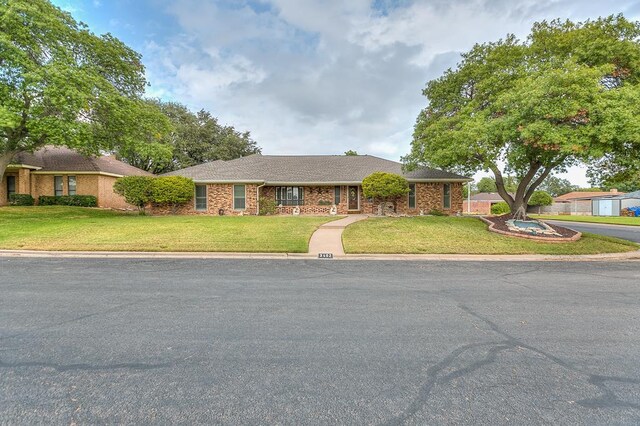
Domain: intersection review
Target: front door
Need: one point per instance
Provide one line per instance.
(354, 200)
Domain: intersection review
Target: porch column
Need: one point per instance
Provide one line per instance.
(24, 181)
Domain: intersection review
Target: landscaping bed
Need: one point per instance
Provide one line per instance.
(460, 235)
(87, 229)
(499, 224)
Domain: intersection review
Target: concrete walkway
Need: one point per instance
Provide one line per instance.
(328, 238)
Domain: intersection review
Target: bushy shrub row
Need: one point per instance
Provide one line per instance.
(171, 191)
(21, 200)
(68, 200)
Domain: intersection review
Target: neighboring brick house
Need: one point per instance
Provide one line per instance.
(62, 171)
(481, 203)
(313, 184)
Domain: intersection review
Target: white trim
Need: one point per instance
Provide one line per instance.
(22, 166)
(195, 198)
(415, 196)
(70, 172)
(326, 183)
(233, 194)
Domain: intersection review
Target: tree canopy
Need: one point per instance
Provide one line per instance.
(60, 84)
(385, 187)
(195, 138)
(568, 94)
(556, 186)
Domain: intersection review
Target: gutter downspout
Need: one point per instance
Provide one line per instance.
(258, 198)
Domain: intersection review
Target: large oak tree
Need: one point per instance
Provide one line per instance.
(568, 94)
(195, 138)
(60, 84)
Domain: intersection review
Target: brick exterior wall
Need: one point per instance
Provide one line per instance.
(429, 196)
(40, 184)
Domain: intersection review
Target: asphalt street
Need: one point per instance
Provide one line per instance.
(86, 341)
(631, 233)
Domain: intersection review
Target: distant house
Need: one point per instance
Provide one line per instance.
(612, 206)
(313, 184)
(481, 203)
(62, 171)
(577, 203)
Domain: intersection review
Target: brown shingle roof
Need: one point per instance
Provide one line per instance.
(62, 159)
(577, 195)
(305, 169)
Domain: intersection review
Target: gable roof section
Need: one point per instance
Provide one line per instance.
(59, 159)
(306, 170)
(578, 195)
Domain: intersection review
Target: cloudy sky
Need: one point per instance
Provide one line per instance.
(316, 76)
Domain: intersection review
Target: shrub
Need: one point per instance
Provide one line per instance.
(385, 187)
(172, 191)
(68, 200)
(267, 207)
(436, 212)
(136, 190)
(500, 208)
(21, 200)
(540, 198)
(324, 203)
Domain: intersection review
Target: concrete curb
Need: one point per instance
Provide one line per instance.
(608, 257)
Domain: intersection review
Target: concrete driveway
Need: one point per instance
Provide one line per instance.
(631, 233)
(90, 341)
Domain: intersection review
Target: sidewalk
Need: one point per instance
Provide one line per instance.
(328, 237)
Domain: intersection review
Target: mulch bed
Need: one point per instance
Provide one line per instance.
(500, 224)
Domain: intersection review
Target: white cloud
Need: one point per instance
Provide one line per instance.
(308, 76)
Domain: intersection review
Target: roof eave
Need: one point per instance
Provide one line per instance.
(23, 166)
(75, 172)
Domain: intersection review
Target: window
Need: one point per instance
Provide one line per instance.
(336, 195)
(71, 185)
(239, 200)
(11, 185)
(201, 197)
(447, 196)
(57, 186)
(289, 195)
(412, 195)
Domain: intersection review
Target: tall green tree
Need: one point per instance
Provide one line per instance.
(60, 84)
(195, 138)
(566, 95)
(556, 186)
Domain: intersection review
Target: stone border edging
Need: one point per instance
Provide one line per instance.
(576, 237)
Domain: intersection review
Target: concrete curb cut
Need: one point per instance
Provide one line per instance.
(608, 257)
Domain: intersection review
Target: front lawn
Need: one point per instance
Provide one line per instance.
(75, 228)
(460, 235)
(613, 220)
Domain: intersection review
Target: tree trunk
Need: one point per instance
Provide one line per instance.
(5, 160)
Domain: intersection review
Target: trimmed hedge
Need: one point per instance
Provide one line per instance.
(68, 200)
(21, 200)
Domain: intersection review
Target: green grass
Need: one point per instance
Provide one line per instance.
(613, 220)
(444, 235)
(75, 228)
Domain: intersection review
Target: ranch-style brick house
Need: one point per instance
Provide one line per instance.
(62, 171)
(312, 184)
